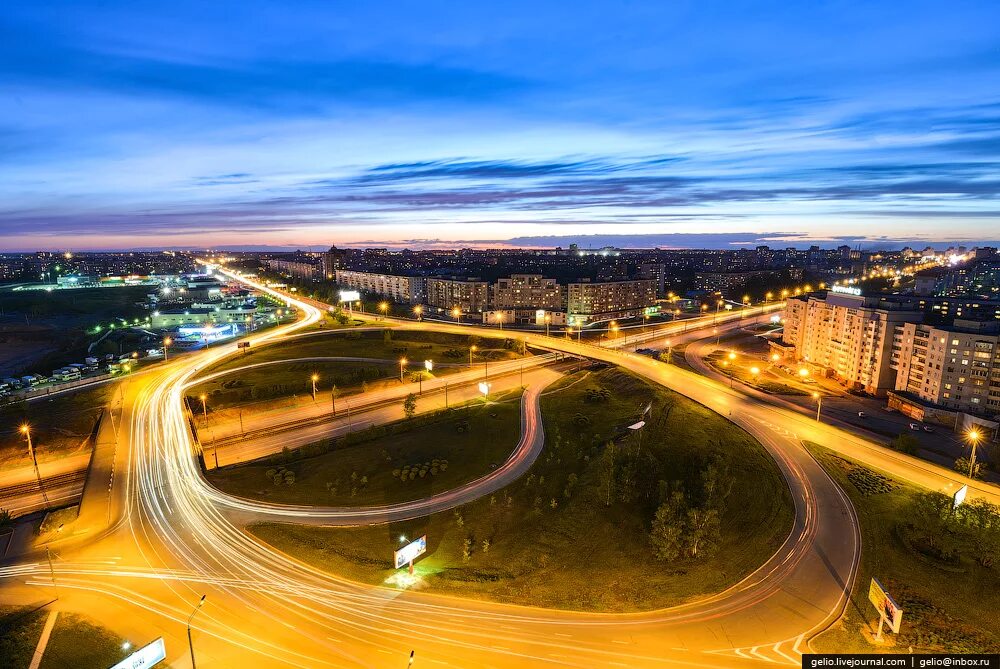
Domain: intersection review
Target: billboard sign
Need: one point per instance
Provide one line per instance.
(147, 656)
(410, 552)
(959, 496)
(886, 606)
(349, 296)
(484, 387)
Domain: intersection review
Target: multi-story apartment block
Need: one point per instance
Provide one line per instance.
(403, 289)
(956, 366)
(849, 337)
(302, 269)
(587, 302)
(470, 297)
(528, 291)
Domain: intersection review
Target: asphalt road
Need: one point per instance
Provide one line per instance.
(170, 538)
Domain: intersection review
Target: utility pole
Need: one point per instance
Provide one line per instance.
(190, 618)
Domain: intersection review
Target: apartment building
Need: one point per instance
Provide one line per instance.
(402, 289)
(470, 297)
(298, 268)
(597, 301)
(848, 337)
(527, 291)
(956, 367)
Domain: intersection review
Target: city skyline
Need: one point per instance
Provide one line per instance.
(688, 125)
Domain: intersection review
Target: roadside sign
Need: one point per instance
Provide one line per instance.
(959, 496)
(410, 552)
(242, 344)
(429, 365)
(888, 610)
(349, 296)
(147, 656)
(484, 387)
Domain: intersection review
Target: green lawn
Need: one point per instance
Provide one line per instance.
(551, 540)
(58, 425)
(284, 380)
(76, 641)
(366, 468)
(945, 608)
(740, 368)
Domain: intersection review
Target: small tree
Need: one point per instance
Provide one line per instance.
(907, 443)
(6, 520)
(962, 466)
(666, 534)
(410, 405)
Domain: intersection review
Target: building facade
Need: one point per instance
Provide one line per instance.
(595, 301)
(402, 289)
(527, 291)
(469, 297)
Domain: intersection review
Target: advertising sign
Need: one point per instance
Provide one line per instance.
(147, 656)
(847, 290)
(886, 606)
(959, 496)
(484, 387)
(349, 296)
(410, 552)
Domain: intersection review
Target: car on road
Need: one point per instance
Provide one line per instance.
(862, 414)
(928, 428)
(915, 427)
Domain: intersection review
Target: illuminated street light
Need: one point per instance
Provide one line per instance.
(314, 378)
(803, 372)
(190, 618)
(167, 341)
(472, 349)
(418, 311)
(819, 404)
(383, 307)
(973, 437)
(456, 313)
(548, 321)
(204, 405)
(402, 367)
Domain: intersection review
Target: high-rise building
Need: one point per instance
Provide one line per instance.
(469, 296)
(403, 289)
(587, 302)
(527, 291)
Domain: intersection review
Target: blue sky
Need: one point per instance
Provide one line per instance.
(431, 123)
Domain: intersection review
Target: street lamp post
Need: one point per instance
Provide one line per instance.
(973, 436)
(190, 618)
(383, 307)
(418, 311)
(472, 349)
(819, 404)
(456, 313)
(26, 431)
(167, 341)
(402, 368)
(314, 378)
(204, 405)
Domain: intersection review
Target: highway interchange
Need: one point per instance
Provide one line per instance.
(157, 537)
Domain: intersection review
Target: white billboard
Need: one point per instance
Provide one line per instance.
(147, 656)
(410, 552)
(886, 606)
(959, 496)
(349, 296)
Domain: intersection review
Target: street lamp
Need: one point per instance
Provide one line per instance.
(418, 311)
(204, 405)
(819, 404)
(167, 341)
(402, 367)
(456, 313)
(803, 372)
(383, 307)
(190, 618)
(548, 321)
(472, 349)
(314, 378)
(973, 436)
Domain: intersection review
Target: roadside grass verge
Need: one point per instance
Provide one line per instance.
(58, 425)
(946, 608)
(436, 452)
(552, 539)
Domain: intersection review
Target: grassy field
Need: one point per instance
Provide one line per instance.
(76, 641)
(366, 468)
(551, 539)
(284, 380)
(740, 368)
(58, 425)
(945, 609)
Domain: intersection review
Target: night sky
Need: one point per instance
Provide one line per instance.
(189, 124)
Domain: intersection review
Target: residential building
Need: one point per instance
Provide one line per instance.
(300, 268)
(527, 291)
(597, 301)
(402, 289)
(469, 296)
